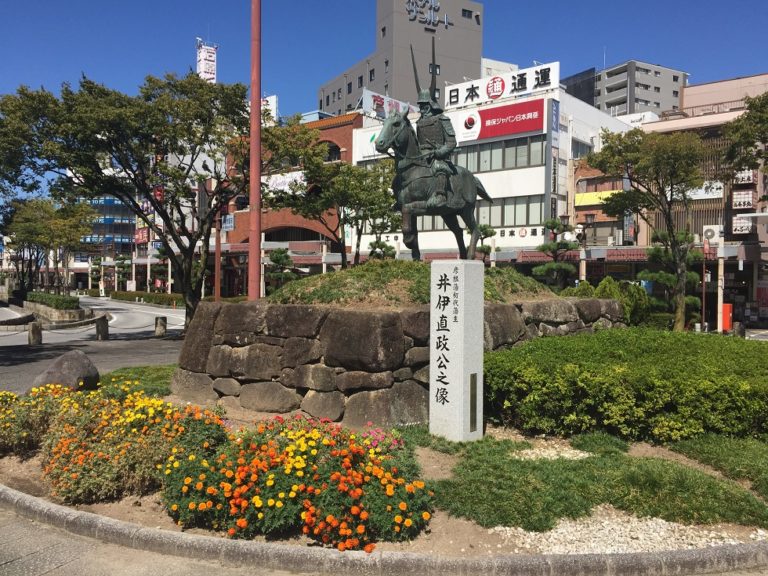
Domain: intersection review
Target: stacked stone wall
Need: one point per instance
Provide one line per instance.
(346, 365)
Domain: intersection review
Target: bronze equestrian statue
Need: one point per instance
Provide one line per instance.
(426, 181)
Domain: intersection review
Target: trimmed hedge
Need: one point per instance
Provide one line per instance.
(160, 298)
(57, 301)
(637, 384)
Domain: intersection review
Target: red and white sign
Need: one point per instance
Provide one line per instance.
(141, 236)
(495, 87)
(500, 121)
(515, 84)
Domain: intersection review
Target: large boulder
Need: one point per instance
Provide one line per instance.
(589, 309)
(193, 387)
(70, 370)
(297, 351)
(313, 376)
(356, 380)
(363, 340)
(199, 337)
(324, 404)
(504, 325)
(239, 324)
(552, 311)
(295, 320)
(269, 397)
(416, 324)
(404, 403)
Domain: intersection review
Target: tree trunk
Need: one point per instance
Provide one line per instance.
(679, 297)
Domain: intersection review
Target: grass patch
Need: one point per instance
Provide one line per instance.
(599, 443)
(737, 458)
(396, 283)
(492, 488)
(154, 380)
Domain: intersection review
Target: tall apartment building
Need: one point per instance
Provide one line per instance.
(630, 87)
(456, 25)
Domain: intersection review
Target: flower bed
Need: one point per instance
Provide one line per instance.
(338, 487)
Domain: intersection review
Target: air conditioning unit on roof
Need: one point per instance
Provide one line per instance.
(711, 232)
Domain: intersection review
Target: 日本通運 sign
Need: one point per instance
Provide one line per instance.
(510, 85)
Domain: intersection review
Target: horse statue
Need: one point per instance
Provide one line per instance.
(413, 184)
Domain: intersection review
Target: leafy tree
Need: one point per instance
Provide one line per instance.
(178, 149)
(748, 136)
(29, 232)
(661, 170)
(342, 197)
(558, 270)
(485, 231)
(95, 270)
(380, 250)
(122, 271)
(69, 224)
(280, 269)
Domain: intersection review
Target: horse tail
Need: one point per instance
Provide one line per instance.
(481, 190)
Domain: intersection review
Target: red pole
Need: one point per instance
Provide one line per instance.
(217, 261)
(254, 221)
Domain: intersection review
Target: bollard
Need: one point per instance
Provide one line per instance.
(161, 325)
(35, 333)
(102, 328)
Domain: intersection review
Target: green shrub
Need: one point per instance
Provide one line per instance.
(635, 383)
(659, 320)
(636, 303)
(57, 301)
(160, 298)
(582, 290)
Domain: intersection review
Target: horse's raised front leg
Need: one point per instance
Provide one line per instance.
(452, 221)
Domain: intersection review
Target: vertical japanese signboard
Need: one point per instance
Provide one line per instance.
(456, 350)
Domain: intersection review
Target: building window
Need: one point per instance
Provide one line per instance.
(349, 87)
(327, 100)
(334, 152)
(320, 106)
(334, 95)
(437, 93)
(371, 75)
(675, 93)
(656, 89)
(386, 66)
(656, 73)
(383, 31)
(579, 149)
(436, 69)
(386, 89)
(339, 94)
(675, 78)
(466, 13)
(359, 81)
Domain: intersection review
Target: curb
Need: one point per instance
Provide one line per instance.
(327, 561)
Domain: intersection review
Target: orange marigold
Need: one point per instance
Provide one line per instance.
(426, 515)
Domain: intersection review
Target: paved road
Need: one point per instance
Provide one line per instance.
(32, 549)
(131, 343)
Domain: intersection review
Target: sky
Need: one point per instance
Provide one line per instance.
(305, 43)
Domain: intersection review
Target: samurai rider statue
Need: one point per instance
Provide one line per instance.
(437, 141)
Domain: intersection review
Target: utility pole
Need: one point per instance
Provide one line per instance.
(254, 220)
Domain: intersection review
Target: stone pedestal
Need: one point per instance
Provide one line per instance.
(35, 334)
(102, 328)
(161, 325)
(456, 350)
